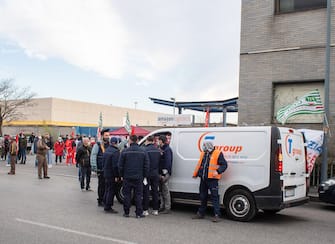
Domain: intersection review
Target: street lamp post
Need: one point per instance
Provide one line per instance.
(324, 164)
(174, 112)
(174, 105)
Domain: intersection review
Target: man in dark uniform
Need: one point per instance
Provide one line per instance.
(98, 151)
(133, 168)
(209, 168)
(111, 174)
(153, 180)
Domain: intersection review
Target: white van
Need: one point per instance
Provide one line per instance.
(267, 167)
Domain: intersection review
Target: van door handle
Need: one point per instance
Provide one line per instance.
(293, 173)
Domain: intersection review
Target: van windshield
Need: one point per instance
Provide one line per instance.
(167, 134)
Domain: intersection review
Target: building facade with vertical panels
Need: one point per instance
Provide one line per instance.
(283, 57)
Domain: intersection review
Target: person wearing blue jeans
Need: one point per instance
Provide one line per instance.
(49, 143)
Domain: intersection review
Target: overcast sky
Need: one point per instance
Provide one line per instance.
(122, 51)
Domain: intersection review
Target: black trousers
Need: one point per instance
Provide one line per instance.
(85, 172)
(153, 183)
(137, 186)
(110, 190)
(101, 186)
(58, 157)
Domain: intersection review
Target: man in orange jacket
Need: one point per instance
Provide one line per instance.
(209, 168)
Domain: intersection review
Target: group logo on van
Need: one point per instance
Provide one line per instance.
(290, 150)
(207, 136)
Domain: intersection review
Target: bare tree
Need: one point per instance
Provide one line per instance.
(12, 99)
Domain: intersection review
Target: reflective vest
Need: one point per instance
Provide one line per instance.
(212, 167)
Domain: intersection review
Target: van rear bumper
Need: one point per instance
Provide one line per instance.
(276, 202)
(297, 202)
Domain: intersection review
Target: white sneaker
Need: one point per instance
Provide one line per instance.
(7, 165)
(145, 213)
(154, 212)
(49, 166)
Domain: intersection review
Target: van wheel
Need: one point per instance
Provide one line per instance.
(120, 196)
(240, 205)
(119, 193)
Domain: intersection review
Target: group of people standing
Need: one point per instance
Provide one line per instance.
(138, 168)
(144, 170)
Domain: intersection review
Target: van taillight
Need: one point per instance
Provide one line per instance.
(306, 164)
(279, 163)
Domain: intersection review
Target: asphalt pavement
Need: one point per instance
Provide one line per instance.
(56, 211)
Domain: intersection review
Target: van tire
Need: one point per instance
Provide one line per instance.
(240, 205)
(119, 193)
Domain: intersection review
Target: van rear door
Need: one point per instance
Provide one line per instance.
(294, 165)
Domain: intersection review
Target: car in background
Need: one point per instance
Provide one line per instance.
(327, 191)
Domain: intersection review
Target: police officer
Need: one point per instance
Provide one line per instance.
(209, 168)
(111, 174)
(153, 180)
(133, 168)
(98, 151)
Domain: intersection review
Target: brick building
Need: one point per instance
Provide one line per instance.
(282, 57)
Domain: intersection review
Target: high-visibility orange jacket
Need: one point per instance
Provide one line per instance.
(212, 167)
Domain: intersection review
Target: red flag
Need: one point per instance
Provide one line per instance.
(99, 134)
(132, 130)
(207, 117)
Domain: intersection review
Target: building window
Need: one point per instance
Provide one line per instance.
(285, 94)
(286, 6)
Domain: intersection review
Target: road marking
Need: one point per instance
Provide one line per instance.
(106, 238)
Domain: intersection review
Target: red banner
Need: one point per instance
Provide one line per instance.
(207, 117)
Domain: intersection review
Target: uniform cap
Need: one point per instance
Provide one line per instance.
(114, 140)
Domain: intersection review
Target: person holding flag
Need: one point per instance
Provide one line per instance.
(97, 165)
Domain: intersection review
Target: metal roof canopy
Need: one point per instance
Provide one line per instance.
(220, 106)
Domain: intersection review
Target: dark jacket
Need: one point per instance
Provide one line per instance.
(49, 143)
(205, 163)
(166, 159)
(154, 158)
(134, 163)
(35, 144)
(83, 156)
(22, 143)
(110, 161)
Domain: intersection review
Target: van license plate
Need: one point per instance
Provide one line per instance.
(289, 193)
